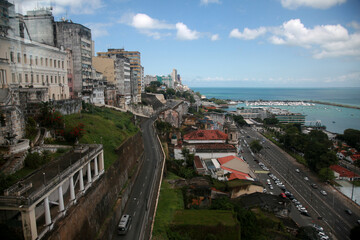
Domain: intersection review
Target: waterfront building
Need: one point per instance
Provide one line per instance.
(253, 112)
(291, 118)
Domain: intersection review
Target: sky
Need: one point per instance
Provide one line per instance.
(228, 43)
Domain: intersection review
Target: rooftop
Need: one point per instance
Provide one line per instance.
(206, 135)
(343, 171)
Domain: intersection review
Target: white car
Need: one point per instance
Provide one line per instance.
(271, 187)
(323, 192)
(297, 170)
(306, 178)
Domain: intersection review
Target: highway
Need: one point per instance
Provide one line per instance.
(140, 203)
(327, 211)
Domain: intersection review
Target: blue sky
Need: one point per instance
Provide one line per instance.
(224, 43)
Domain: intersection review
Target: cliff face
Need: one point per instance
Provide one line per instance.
(96, 214)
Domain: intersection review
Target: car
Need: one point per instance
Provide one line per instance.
(321, 234)
(323, 192)
(314, 186)
(358, 221)
(324, 237)
(264, 191)
(266, 169)
(348, 211)
(305, 214)
(317, 227)
(282, 195)
(306, 178)
(271, 187)
(297, 170)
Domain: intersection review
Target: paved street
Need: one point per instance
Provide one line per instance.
(331, 208)
(144, 191)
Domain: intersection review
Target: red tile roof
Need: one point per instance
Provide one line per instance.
(355, 157)
(206, 135)
(238, 175)
(198, 162)
(214, 146)
(343, 171)
(226, 159)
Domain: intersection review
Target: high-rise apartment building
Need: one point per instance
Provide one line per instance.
(135, 69)
(76, 37)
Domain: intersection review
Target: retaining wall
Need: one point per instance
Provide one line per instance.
(93, 216)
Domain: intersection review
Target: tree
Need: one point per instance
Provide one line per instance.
(326, 174)
(271, 121)
(239, 120)
(256, 146)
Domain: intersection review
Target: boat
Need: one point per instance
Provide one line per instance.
(333, 121)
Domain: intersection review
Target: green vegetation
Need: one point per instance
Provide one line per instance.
(271, 121)
(104, 126)
(170, 200)
(35, 160)
(314, 147)
(217, 101)
(256, 146)
(351, 137)
(239, 120)
(30, 129)
(204, 224)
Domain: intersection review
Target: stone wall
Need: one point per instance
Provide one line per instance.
(93, 217)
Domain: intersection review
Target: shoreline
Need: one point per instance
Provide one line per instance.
(333, 104)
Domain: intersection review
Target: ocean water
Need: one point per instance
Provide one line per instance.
(336, 119)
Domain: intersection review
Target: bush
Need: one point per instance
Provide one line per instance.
(36, 160)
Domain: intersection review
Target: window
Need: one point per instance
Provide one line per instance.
(46, 62)
(20, 78)
(24, 58)
(63, 79)
(62, 64)
(41, 61)
(50, 62)
(13, 78)
(42, 79)
(32, 78)
(36, 60)
(70, 89)
(47, 79)
(19, 57)
(54, 63)
(37, 78)
(12, 57)
(59, 64)
(55, 79)
(31, 60)
(51, 80)
(26, 78)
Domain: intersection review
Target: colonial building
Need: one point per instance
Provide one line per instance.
(30, 64)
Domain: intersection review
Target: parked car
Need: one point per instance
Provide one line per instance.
(323, 192)
(297, 170)
(348, 211)
(306, 178)
(318, 228)
(314, 185)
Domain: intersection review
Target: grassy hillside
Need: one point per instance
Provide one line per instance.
(104, 126)
(170, 201)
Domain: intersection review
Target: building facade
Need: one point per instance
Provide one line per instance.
(77, 38)
(136, 70)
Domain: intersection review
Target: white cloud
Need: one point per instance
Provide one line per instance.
(323, 40)
(247, 34)
(320, 4)
(184, 33)
(355, 25)
(60, 6)
(143, 21)
(206, 2)
(215, 37)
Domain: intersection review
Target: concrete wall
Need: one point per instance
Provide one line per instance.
(95, 216)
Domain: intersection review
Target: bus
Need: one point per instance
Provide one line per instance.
(124, 224)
